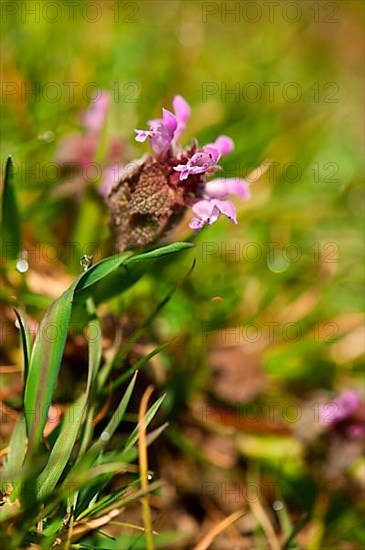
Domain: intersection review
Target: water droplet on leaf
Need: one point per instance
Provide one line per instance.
(86, 262)
(22, 263)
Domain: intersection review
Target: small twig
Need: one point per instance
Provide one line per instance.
(264, 521)
(91, 525)
(217, 529)
(143, 465)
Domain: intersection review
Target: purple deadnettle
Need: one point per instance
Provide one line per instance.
(199, 163)
(78, 150)
(182, 113)
(344, 414)
(94, 116)
(223, 144)
(220, 188)
(146, 204)
(208, 212)
(161, 133)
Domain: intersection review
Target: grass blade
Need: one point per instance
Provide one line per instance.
(10, 220)
(117, 416)
(44, 366)
(26, 344)
(47, 353)
(149, 416)
(62, 449)
(17, 449)
(137, 366)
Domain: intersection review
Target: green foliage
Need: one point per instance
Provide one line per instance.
(75, 454)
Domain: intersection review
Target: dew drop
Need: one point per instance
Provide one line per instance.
(278, 505)
(277, 264)
(22, 263)
(22, 266)
(86, 262)
(150, 476)
(47, 136)
(105, 436)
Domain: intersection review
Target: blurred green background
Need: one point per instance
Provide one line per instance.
(273, 309)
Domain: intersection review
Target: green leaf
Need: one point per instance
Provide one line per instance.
(138, 365)
(89, 456)
(44, 366)
(116, 418)
(122, 275)
(94, 337)
(133, 438)
(26, 344)
(49, 344)
(16, 454)
(62, 449)
(290, 542)
(100, 270)
(10, 221)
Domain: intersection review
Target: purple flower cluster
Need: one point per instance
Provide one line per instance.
(194, 166)
(148, 198)
(79, 150)
(344, 415)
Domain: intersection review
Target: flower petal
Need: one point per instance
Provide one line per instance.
(169, 121)
(220, 188)
(142, 135)
(212, 152)
(94, 116)
(196, 224)
(345, 403)
(206, 211)
(224, 144)
(111, 177)
(181, 108)
(227, 209)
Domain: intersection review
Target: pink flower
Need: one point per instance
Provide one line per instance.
(161, 133)
(166, 131)
(340, 408)
(79, 149)
(182, 113)
(220, 188)
(111, 176)
(208, 212)
(94, 116)
(76, 150)
(223, 144)
(199, 163)
(193, 164)
(344, 414)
